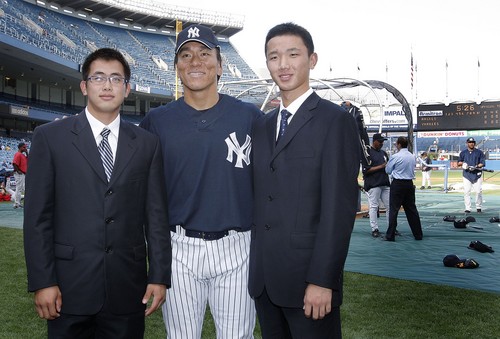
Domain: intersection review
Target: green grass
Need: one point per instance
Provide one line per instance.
(18, 318)
(374, 307)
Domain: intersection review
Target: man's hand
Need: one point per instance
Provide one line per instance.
(48, 302)
(158, 292)
(317, 301)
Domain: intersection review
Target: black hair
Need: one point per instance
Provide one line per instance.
(403, 142)
(107, 54)
(290, 28)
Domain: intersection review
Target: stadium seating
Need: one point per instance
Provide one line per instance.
(73, 38)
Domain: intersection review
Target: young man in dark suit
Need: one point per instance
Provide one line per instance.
(96, 234)
(306, 166)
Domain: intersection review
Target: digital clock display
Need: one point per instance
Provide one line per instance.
(463, 116)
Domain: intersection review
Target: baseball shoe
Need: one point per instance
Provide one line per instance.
(422, 187)
(478, 210)
(466, 211)
(375, 233)
(429, 187)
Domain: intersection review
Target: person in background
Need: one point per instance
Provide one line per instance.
(207, 145)
(425, 160)
(6, 185)
(96, 239)
(20, 164)
(472, 160)
(376, 182)
(401, 167)
(306, 190)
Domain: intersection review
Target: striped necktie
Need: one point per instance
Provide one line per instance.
(106, 152)
(283, 123)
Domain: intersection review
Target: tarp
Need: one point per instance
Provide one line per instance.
(409, 259)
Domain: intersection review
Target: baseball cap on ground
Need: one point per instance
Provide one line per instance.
(198, 33)
(471, 139)
(379, 137)
(461, 223)
(452, 260)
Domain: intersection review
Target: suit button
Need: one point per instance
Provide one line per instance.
(270, 198)
(267, 227)
(272, 168)
(109, 192)
(108, 250)
(109, 220)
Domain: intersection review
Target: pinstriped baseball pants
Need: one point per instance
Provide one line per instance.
(213, 272)
(478, 188)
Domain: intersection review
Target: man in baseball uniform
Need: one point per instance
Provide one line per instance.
(206, 144)
(472, 160)
(376, 181)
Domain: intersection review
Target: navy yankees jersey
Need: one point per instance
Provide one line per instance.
(472, 158)
(378, 178)
(207, 164)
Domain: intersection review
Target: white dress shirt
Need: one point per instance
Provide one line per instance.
(97, 128)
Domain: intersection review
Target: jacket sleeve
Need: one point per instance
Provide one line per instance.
(157, 225)
(38, 215)
(339, 196)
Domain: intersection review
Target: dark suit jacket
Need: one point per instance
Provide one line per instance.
(91, 238)
(306, 195)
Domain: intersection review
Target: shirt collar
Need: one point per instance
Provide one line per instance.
(98, 126)
(295, 105)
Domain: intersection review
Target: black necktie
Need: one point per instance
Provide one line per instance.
(283, 123)
(106, 153)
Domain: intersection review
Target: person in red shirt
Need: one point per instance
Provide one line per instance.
(20, 164)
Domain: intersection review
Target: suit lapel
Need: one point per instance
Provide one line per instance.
(271, 128)
(127, 146)
(85, 143)
(301, 117)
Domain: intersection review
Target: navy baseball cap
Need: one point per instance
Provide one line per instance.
(471, 139)
(198, 33)
(452, 260)
(379, 137)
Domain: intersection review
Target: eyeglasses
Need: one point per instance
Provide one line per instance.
(101, 80)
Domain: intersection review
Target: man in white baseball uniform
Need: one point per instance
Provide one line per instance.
(472, 160)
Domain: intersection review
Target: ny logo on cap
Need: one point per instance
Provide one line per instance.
(193, 32)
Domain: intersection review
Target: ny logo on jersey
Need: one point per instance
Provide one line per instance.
(194, 32)
(242, 152)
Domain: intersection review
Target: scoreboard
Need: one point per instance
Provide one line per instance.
(461, 116)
